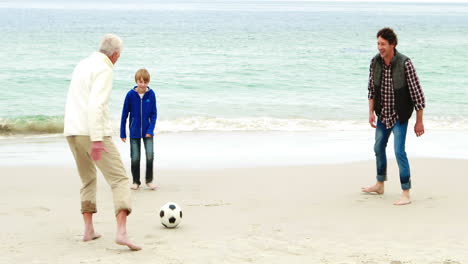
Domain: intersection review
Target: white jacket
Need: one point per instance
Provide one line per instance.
(87, 108)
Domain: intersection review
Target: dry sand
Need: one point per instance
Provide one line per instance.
(310, 214)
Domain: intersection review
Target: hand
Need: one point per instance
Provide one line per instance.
(148, 135)
(419, 129)
(96, 148)
(372, 120)
(124, 140)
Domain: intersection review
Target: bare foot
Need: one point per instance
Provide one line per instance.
(135, 186)
(123, 240)
(88, 236)
(151, 185)
(405, 199)
(377, 188)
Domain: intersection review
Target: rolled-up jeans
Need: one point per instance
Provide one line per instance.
(381, 138)
(112, 169)
(135, 154)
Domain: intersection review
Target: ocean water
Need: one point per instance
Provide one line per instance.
(293, 72)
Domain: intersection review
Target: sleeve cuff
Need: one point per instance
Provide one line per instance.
(97, 138)
(418, 107)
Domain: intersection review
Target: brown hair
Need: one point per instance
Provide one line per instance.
(142, 74)
(389, 35)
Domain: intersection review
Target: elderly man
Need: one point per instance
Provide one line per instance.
(88, 130)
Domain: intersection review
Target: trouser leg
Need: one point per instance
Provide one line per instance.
(80, 147)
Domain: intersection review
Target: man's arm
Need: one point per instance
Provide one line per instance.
(98, 104)
(417, 96)
(370, 95)
(371, 113)
(97, 107)
(419, 126)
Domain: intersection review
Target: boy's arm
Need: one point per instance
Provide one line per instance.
(123, 121)
(153, 116)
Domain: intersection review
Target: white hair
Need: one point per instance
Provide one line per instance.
(110, 43)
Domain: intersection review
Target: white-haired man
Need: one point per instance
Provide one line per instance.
(88, 129)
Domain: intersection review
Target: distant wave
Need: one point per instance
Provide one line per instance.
(287, 125)
(251, 124)
(31, 125)
(40, 125)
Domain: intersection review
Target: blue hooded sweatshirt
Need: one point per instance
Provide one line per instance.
(142, 111)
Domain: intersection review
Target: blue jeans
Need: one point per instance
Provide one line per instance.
(135, 146)
(381, 138)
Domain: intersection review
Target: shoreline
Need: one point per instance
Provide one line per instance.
(217, 150)
(299, 214)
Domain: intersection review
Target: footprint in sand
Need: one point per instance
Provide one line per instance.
(451, 262)
(217, 204)
(33, 211)
(210, 204)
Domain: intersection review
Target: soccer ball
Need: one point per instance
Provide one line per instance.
(171, 215)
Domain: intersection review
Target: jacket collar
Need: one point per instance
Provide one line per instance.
(395, 57)
(133, 89)
(103, 57)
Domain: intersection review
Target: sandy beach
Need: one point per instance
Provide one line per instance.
(307, 214)
(262, 133)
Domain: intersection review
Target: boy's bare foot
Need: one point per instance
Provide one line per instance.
(134, 186)
(151, 185)
(405, 198)
(122, 239)
(88, 236)
(377, 188)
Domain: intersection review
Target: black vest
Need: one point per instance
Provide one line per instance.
(403, 103)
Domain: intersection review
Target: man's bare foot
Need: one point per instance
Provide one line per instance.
(377, 188)
(151, 185)
(89, 233)
(122, 239)
(88, 236)
(405, 198)
(135, 186)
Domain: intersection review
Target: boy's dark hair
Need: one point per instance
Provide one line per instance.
(389, 35)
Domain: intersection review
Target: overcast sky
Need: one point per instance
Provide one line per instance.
(177, 4)
(214, 1)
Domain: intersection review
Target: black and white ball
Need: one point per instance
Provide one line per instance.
(171, 215)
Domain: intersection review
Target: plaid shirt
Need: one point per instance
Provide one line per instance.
(389, 116)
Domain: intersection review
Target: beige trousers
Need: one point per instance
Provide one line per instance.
(111, 167)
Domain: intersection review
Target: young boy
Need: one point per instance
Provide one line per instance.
(140, 102)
